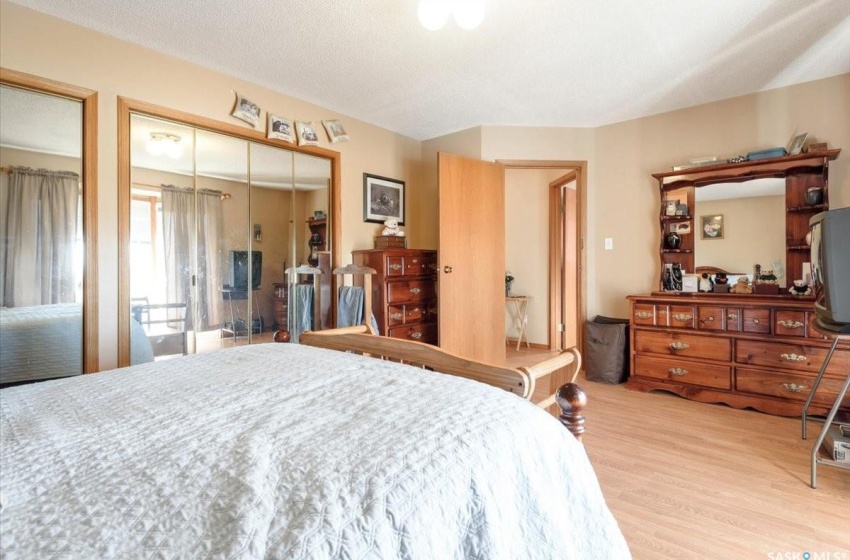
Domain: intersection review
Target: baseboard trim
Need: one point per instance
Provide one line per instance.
(512, 342)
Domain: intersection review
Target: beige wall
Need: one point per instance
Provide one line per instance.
(38, 44)
(527, 247)
(626, 196)
(26, 158)
(754, 232)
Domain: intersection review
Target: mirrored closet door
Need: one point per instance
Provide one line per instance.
(215, 222)
(47, 189)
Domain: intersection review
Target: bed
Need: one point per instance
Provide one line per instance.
(45, 341)
(290, 451)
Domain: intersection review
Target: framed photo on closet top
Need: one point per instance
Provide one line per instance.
(383, 198)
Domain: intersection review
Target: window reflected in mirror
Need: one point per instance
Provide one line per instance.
(43, 254)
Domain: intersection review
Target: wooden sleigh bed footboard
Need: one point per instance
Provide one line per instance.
(521, 381)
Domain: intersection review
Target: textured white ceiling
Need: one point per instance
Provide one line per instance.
(577, 63)
(42, 123)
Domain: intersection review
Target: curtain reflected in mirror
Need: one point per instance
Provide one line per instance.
(42, 251)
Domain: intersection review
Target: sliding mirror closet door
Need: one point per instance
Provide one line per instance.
(272, 240)
(311, 177)
(222, 242)
(42, 250)
(162, 160)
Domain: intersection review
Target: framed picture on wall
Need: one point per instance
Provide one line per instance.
(383, 198)
(711, 227)
(258, 233)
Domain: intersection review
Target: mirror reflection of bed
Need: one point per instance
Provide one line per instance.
(42, 254)
(214, 222)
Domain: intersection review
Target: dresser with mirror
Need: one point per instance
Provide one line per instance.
(747, 350)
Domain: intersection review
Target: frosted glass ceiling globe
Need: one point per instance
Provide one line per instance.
(433, 14)
(469, 13)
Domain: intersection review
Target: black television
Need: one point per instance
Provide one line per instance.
(830, 248)
(238, 270)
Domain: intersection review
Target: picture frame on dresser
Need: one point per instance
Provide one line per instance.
(383, 198)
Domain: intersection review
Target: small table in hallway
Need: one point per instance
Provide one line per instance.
(521, 308)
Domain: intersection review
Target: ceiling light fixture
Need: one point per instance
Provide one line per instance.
(164, 143)
(433, 14)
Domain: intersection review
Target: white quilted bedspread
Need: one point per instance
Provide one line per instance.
(282, 451)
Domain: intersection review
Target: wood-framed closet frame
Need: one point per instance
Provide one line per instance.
(128, 107)
(88, 98)
(556, 289)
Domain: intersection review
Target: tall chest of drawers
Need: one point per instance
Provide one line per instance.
(746, 351)
(404, 291)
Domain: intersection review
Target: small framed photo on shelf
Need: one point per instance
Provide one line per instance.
(681, 209)
(280, 128)
(306, 134)
(670, 206)
(682, 228)
(383, 198)
(711, 227)
(336, 132)
(795, 146)
(246, 110)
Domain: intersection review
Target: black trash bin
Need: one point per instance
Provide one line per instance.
(606, 350)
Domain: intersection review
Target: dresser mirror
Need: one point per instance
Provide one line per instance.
(732, 216)
(216, 218)
(753, 226)
(47, 200)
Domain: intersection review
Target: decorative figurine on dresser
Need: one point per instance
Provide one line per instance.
(404, 291)
(744, 349)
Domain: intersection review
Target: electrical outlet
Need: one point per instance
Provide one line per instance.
(609, 243)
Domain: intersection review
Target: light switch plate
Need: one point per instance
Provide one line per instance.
(609, 243)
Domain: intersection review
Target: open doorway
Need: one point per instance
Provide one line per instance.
(544, 252)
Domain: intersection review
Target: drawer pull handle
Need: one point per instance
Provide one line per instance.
(709, 319)
(679, 346)
(395, 266)
(794, 388)
(415, 291)
(415, 261)
(793, 357)
(756, 321)
(397, 316)
(678, 371)
(643, 314)
(791, 324)
(682, 317)
(415, 310)
(732, 317)
(417, 335)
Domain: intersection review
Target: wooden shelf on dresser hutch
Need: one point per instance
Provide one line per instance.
(800, 172)
(404, 291)
(753, 351)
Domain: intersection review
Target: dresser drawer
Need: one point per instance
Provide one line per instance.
(733, 319)
(684, 345)
(409, 291)
(756, 321)
(424, 332)
(394, 265)
(420, 264)
(711, 318)
(790, 323)
(643, 314)
(681, 316)
(791, 356)
(403, 314)
(681, 371)
(789, 386)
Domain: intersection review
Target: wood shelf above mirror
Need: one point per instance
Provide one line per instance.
(774, 231)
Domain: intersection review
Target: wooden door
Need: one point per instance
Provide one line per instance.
(569, 227)
(472, 258)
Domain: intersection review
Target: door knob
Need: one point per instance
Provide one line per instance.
(447, 269)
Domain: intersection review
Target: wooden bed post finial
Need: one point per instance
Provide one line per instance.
(572, 400)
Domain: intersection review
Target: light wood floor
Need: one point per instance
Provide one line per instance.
(693, 480)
